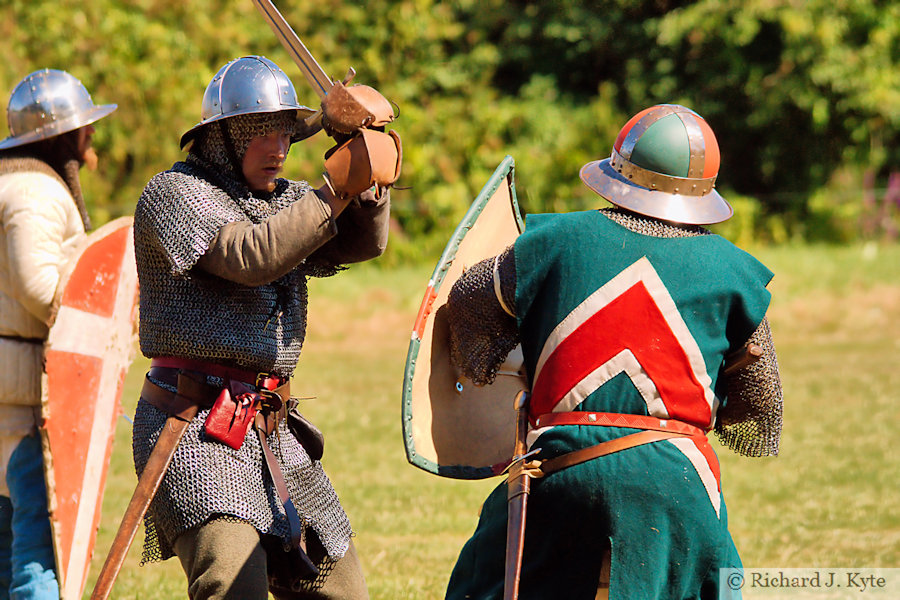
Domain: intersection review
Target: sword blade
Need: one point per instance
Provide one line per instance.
(319, 80)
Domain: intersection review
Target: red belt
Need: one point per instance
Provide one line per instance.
(265, 380)
(617, 420)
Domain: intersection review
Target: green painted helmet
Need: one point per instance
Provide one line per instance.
(663, 164)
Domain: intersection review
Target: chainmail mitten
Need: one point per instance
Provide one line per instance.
(750, 422)
(482, 333)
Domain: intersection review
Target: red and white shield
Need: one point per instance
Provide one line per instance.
(87, 354)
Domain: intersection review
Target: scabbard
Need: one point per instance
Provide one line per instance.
(148, 484)
(518, 486)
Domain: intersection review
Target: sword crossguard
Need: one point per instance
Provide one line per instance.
(351, 73)
(519, 458)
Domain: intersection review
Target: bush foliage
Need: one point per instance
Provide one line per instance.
(801, 94)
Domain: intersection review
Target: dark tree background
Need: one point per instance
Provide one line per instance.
(804, 97)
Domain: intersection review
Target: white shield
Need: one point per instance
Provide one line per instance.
(452, 427)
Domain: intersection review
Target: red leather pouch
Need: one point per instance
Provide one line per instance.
(232, 413)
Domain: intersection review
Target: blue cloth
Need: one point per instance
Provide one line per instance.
(27, 565)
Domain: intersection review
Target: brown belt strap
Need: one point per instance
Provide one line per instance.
(191, 393)
(603, 449)
(296, 527)
(23, 340)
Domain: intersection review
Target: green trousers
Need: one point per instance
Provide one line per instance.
(225, 559)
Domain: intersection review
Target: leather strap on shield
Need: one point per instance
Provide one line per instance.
(348, 109)
(369, 158)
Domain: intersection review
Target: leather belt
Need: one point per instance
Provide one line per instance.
(192, 392)
(202, 394)
(258, 379)
(22, 340)
(603, 419)
(654, 430)
(570, 459)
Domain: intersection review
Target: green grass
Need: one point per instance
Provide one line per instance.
(828, 500)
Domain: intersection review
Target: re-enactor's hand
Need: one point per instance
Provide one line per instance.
(370, 158)
(364, 155)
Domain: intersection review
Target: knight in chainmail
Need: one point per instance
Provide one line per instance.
(224, 250)
(43, 219)
(628, 319)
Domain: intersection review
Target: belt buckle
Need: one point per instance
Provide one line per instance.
(269, 400)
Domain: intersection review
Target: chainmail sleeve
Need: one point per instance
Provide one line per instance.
(750, 422)
(480, 309)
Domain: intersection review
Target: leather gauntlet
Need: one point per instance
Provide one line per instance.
(370, 158)
(346, 110)
(363, 155)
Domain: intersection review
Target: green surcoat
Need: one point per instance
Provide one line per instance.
(615, 321)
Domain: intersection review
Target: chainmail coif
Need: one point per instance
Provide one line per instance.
(482, 334)
(212, 144)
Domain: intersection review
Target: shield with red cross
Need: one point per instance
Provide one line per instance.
(86, 356)
(451, 427)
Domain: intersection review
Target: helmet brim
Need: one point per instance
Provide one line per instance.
(306, 126)
(55, 128)
(707, 209)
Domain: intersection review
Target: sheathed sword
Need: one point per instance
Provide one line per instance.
(518, 485)
(319, 80)
(148, 484)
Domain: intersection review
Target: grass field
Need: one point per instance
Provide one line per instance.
(829, 499)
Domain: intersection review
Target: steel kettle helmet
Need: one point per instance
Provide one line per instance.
(663, 164)
(247, 85)
(48, 103)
